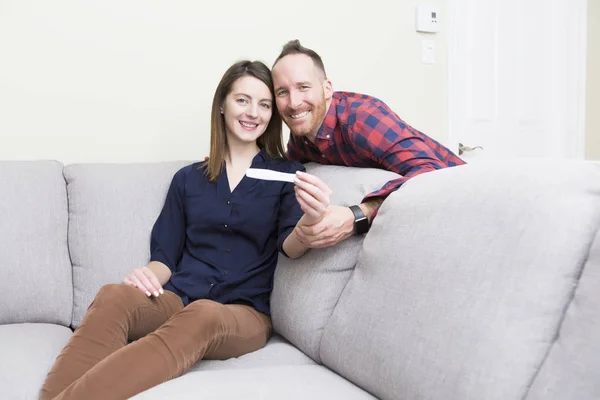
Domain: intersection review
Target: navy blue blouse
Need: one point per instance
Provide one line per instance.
(222, 245)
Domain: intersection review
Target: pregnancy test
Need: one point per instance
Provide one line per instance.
(270, 175)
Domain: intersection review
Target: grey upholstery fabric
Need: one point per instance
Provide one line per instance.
(313, 382)
(277, 352)
(307, 289)
(572, 368)
(27, 352)
(112, 208)
(463, 281)
(35, 271)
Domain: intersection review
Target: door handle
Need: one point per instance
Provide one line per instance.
(462, 148)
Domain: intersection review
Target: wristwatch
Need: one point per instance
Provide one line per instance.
(361, 223)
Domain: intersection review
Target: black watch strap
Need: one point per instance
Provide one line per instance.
(361, 222)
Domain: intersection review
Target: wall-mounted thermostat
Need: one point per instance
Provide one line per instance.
(427, 17)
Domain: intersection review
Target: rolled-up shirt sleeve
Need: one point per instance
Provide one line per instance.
(168, 234)
(289, 209)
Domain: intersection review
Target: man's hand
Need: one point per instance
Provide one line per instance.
(337, 225)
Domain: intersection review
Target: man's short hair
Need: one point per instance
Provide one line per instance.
(294, 47)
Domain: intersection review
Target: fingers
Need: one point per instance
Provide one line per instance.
(316, 188)
(312, 207)
(313, 180)
(313, 230)
(145, 280)
(142, 275)
(136, 282)
(153, 281)
(128, 281)
(312, 195)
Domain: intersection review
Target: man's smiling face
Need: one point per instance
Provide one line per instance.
(302, 93)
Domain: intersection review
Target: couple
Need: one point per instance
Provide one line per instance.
(205, 292)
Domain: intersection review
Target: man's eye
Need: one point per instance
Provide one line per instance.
(281, 93)
(304, 87)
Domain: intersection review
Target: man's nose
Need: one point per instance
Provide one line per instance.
(295, 100)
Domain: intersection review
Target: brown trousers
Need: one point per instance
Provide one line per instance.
(97, 362)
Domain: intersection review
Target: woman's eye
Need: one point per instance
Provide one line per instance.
(265, 106)
(242, 100)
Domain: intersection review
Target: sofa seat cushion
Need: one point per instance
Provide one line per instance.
(298, 382)
(277, 352)
(27, 352)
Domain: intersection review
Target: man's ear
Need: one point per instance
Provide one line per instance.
(327, 89)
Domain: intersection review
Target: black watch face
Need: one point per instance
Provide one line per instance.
(361, 226)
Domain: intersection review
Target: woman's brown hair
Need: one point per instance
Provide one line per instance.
(270, 140)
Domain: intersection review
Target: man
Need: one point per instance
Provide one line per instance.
(342, 128)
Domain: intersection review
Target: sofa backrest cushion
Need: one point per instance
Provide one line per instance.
(571, 368)
(306, 289)
(463, 280)
(112, 209)
(35, 271)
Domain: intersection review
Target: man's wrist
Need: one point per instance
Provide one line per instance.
(370, 206)
(361, 222)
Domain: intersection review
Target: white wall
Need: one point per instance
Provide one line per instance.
(593, 82)
(133, 80)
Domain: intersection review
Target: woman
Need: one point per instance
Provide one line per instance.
(205, 292)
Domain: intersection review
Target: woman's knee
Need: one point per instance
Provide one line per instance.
(117, 294)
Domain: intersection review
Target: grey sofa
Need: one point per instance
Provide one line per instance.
(475, 282)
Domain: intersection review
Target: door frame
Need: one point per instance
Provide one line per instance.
(576, 67)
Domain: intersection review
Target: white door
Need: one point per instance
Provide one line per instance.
(517, 78)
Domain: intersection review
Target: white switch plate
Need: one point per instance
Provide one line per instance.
(428, 51)
(427, 18)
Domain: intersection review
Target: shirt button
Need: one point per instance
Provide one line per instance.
(305, 141)
(225, 226)
(211, 285)
(228, 202)
(322, 155)
(224, 273)
(328, 136)
(228, 251)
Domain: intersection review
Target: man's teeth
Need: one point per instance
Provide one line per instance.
(302, 114)
(247, 125)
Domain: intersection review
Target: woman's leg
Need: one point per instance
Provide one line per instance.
(203, 327)
(118, 313)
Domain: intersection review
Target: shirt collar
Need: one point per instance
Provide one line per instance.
(260, 158)
(330, 121)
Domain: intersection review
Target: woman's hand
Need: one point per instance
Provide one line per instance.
(313, 196)
(145, 280)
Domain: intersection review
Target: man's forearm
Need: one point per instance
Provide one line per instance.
(162, 272)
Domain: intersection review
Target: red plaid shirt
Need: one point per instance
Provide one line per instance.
(362, 131)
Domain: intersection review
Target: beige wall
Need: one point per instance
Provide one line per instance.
(593, 82)
(133, 80)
